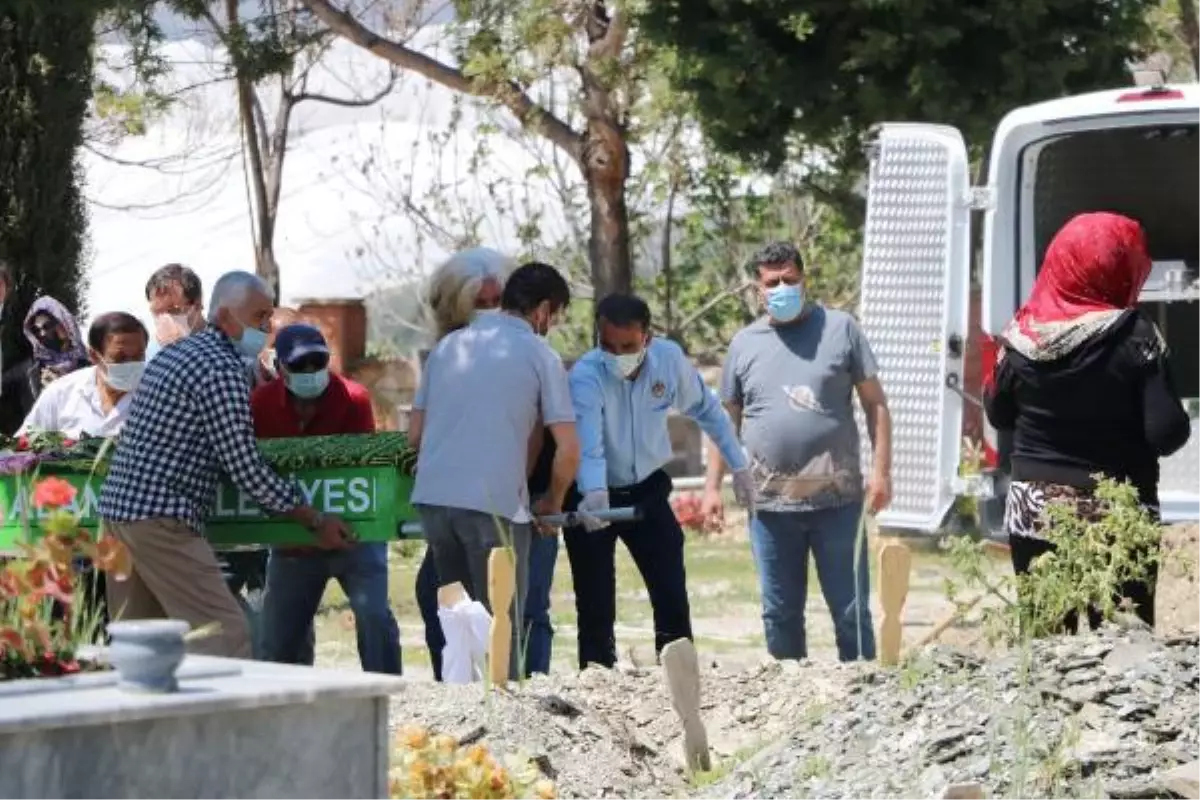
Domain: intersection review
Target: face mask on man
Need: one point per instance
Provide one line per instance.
(252, 341)
(170, 328)
(308, 385)
(625, 364)
(123, 377)
(785, 302)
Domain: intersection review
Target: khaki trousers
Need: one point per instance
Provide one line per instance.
(176, 575)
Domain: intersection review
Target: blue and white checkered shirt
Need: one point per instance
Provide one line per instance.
(189, 423)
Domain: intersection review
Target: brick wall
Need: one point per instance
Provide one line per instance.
(392, 383)
(344, 325)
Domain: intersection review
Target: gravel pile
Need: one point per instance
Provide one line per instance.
(1106, 714)
(613, 733)
(1101, 715)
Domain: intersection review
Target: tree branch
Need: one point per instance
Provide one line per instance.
(349, 102)
(612, 41)
(530, 114)
(719, 297)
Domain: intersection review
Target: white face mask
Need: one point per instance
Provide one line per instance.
(626, 364)
(170, 328)
(123, 377)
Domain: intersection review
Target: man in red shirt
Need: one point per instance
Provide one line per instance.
(309, 400)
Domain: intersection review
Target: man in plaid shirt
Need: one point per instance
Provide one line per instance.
(188, 424)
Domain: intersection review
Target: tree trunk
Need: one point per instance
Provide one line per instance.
(1191, 32)
(45, 84)
(606, 170)
(262, 214)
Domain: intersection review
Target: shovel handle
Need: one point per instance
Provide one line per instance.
(567, 519)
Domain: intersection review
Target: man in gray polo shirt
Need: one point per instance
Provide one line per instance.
(485, 390)
(789, 382)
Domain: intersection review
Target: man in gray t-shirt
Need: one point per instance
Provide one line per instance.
(789, 381)
(484, 390)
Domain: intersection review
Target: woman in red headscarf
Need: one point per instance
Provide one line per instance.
(1083, 384)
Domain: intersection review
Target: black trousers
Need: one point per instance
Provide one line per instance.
(1140, 593)
(656, 544)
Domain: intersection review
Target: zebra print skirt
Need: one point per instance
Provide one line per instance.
(1024, 510)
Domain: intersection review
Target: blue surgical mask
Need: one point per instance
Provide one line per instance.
(308, 385)
(785, 302)
(252, 342)
(624, 364)
(123, 377)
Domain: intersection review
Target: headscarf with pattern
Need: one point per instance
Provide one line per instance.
(1093, 272)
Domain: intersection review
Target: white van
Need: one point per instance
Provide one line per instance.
(1134, 151)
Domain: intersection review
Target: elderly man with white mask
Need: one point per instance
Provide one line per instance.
(190, 424)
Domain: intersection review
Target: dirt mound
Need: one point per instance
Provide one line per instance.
(613, 733)
(1177, 602)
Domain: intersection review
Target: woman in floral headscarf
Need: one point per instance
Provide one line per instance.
(57, 344)
(58, 348)
(1084, 385)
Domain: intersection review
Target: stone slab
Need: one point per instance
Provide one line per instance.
(208, 684)
(235, 729)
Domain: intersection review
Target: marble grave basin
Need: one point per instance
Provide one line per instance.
(233, 729)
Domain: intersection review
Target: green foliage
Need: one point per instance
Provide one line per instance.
(1092, 559)
(45, 84)
(58, 454)
(768, 74)
(1169, 22)
(260, 46)
(703, 292)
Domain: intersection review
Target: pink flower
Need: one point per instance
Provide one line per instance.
(53, 493)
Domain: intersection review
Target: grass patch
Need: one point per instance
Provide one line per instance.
(722, 584)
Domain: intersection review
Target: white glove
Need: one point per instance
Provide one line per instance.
(596, 500)
(743, 489)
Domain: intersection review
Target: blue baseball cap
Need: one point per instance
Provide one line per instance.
(294, 342)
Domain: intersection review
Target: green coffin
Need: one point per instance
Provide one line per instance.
(373, 498)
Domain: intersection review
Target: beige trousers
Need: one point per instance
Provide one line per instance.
(175, 574)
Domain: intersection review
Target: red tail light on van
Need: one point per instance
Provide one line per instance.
(1150, 94)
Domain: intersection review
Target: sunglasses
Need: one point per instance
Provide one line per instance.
(308, 363)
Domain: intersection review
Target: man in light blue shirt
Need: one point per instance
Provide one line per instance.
(623, 392)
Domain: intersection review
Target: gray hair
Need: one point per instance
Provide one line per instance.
(454, 286)
(232, 289)
(775, 253)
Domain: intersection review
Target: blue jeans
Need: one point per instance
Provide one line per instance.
(539, 633)
(295, 585)
(781, 542)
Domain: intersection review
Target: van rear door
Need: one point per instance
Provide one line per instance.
(914, 309)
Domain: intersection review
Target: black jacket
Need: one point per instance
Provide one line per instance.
(1108, 407)
(20, 386)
